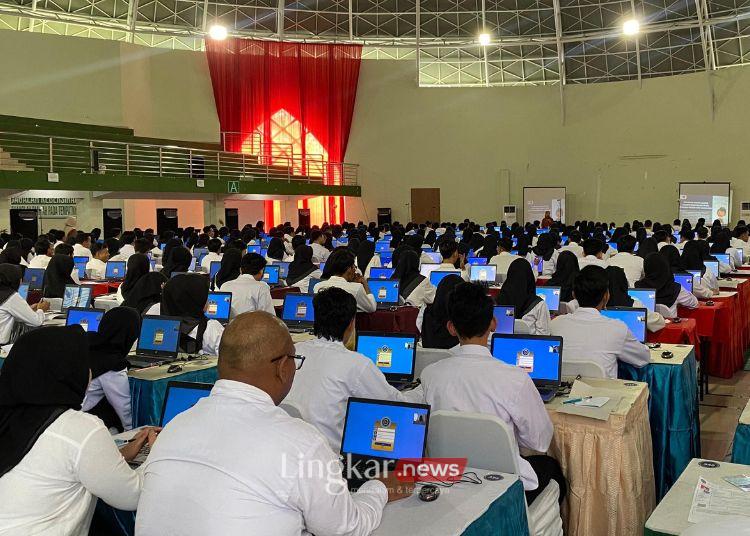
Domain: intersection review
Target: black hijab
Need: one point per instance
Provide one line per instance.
(179, 261)
(434, 323)
(522, 245)
(146, 292)
(565, 274)
(138, 266)
(519, 288)
(489, 247)
(407, 272)
(118, 330)
(170, 245)
(301, 266)
(692, 258)
(57, 275)
(276, 249)
(704, 250)
(545, 246)
(11, 255)
(364, 254)
(185, 296)
(672, 255)
(618, 288)
(721, 242)
(230, 267)
(10, 280)
(659, 276)
(45, 374)
(646, 247)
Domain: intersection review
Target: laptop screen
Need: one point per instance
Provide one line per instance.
(271, 274)
(254, 249)
(713, 266)
(382, 246)
(159, 335)
(505, 318)
(647, 296)
(80, 264)
(219, 305)
(23, 290)
(386, 430)
(386, 258)
(76, 296)
(298, 309)
(34, 277)
(426, 269)
(434, 256)
(722, 257)
(540, 356)
(613, 245)
(438, 275)
(283, 268)
(381, 273)
(384, 290)
(181, 396)
(193, 264)
(487, 272)
(686, 280)
(393, 354)
(214, 269)
(551, 296)
(741, 255)
(633, 317)
(476, 261)
(88, 319)
(313, 283)
(199, 253)
(115, 270)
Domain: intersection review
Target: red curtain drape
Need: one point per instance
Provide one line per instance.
(315, 83)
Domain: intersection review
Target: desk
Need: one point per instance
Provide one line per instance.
(101, 288)
(672, 409)
(402, 320)
(671, 516)
(686, 332)
(608, 464)
(741, 444)
(105, 302)
(715, 324)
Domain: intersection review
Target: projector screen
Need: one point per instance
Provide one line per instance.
(537, 201)
(708, 200)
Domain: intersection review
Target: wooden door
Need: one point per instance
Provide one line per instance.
(425, 204)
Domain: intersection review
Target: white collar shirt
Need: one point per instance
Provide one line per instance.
(249, 295)
(79, 250)
(631, 264)
(40, 261)
(15, 309)
(210, 257)
(365, 302)
(320, 253)
(97, 267)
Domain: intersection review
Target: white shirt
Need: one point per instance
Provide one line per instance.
(631, 264)
(331, 374)
(471, 380)
(423, 294)
(126, 251)
(79, 250)
(53, 490)
(97, 267)
(249, 295)
(230, 466)
(738, 243)
(591, 259)
(446, 266)
(211, 336)
(654, 321)
(574, 248)
(589, 336)
(40, 261)
(685, 299)
(365, 302)
(210, 257)
(15, 309)
(304, 284)
(503, 261)
(320, 253)
(548, 267)
(536, 321)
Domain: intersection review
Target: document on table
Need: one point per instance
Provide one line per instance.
(712, 502)
(609, 398)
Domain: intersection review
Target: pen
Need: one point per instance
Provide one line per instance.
(574, 400)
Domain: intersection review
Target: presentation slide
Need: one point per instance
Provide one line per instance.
(708, 200)
(537, 201)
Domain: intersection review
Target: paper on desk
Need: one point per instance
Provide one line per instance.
(712, 502)
(581, 389)
(593, 402)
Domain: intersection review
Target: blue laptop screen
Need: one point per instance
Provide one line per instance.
(382, 246)
(713, 266)
(298, 308)
(540, 357)
(159, 334)
(434, 256)
(214, 269)
(23, 290)
(551, 295)
(384, 290)
(88, 319)
(505, 319)
(199, 253)
(181, 399)
(686, 280)
(271, 274)
(392, 355)
(219, 305)
(283, 269)
(381, 273)
(722, 257)
(80, 264)
(34, 276)
(378, 430)
(633, 318)
(115, 270)
(386, 258)
(254, 249)
(486, 272)
(76, 296)
(438, 275)
(646, 296)
(476, 261)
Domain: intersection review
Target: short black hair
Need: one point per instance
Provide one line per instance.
(740, 230)
(702, 232)
(339, 261)
(626, 243)
(506, 244)
(315, 235)
(64, 249)
(660, 236)
(252, 263)
(142, 245)
(96, 247)
(592, 246)
(42, 246)
(128, 237)
(334, 310)
(575, 236)
(470, 310)
(590, 286)
(687, 234)
(448, 248)
(82, 237)
(214, 245)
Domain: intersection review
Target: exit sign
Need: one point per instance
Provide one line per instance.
(233, 187)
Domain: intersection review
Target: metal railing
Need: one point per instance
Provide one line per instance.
(81, 155)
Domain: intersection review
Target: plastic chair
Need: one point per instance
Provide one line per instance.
(428, 356)
(584, 369)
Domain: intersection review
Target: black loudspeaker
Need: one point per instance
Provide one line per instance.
(384, 216)
(166, 220)
(304, 217)
(232, 218)
(111, 222)
(25, 221)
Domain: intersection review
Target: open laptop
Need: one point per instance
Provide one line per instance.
(382, 246)
(80, 265)
(647, 296)
(381, 432)
(385, 292)
(313, 282)
(613, 245)
(298, 313)
(426, 269)
(219, 306)
(723, 258)
(539, 355)
(214, 269)
(393, 353)
(713, 266)
(551, 296)
(254, 249)
(88, 319)
(34, 277)
(157, 342)
(486, 273)
(322, 266)
(434, 256)
(386, 258)
(476, 261)
(193, 264)
(741, 255)
(283, 268)
(505, 318)
(23, 290)
(381, 273)
(633, 317)
(115, 271)
(685, 280)
(271, 274)
(76, 296)
(199, 253)
(438, 275)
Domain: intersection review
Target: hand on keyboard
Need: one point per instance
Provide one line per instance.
(142, 441)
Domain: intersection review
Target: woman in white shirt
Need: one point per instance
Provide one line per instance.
(706, 285)
(669, 294)
(55, 460)
(519, 290)
(277, 252)
(544, 252)
(13, 308)
(302, 269)
(366, 258)
(414, 288)
(618, 297)
(138, 267)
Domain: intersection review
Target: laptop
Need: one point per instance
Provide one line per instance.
(647, 296)
(115, 271)
(193, 264)
(505, 318)
(612, 245)
(283, 268)
(386, 258)
(426, 269)
(298, 313)
(88, 319)
(322, 266)
(538, 265)
(741, 255)
(80, 265)
(381, 273)
(264, 252)
(713, 266)
(23, 290)
(34, 277)
(341, 241)
(312, 283)
(385, 292)
(685, 280)
(539, 355)
(438, 275)
(483, 273)
(157, 342)
(199, 253)
(722, 258)
(254, 249)
(476, 261)
(219, 306)
(551, 296)
(393, 353)
(214, 269)
(381, 432)
(434, 256)
(76, 296)
(382, 246)
(271, 274)
(633, 317)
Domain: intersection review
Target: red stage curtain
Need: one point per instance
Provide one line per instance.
(314, 83)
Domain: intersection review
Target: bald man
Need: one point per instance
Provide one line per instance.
(236, 464)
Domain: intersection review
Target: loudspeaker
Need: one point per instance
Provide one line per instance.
(384, 216)
(166, 219)
(111, 222)
(303, 215)
(232, 218)
(25, 221)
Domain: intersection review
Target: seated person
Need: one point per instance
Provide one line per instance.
(146, 293)
(59, 273)
(740, 240)
(82, 246)
(332, 373)
(249, 291)
(13, 308)
(669, 293)
(302, 269)
(686, 235)
(473, 381)
(593, 254)
(589, 336)
(519, 290)
(414, 288)
(97, 266)
(504, 258)
(44, 251)
(317, 241)
(566, 270)
(252, 455)
(432, 321)
(138, 267)
(628, 260)
(722, 244)
(663, 238)
(367, 259)
(619, 297)
(214, 246)
(343, 274)
(693, 255)
(574, 244)
(545, 250)
(452, 258)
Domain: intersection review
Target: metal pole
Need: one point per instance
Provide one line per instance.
(417, 36)
(706, 59)
(127, 159)
(218, 165)
(160, 161)
(560, 58)
(51, 162)
(637, 47)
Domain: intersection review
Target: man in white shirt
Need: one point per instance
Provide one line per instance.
(631, 264)
(593, 253)
(344, 275)
(44, 251)
(267, 473)
(589, 336)
(741, 241)
(97, 267)
(214, 245)
(320, 252)
(473, 381)
(127, 249)
(504, 258)
(686, 235)
(249, 292)
(332, 373)
(663, 238)
(574, 244)
(82, 247)
(452, 258)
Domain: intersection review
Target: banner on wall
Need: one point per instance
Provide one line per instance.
(48, 207)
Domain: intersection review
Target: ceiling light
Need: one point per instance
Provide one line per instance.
(218, 32)
(631, 27)
(484, 39)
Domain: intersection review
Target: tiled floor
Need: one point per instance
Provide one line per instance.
(719, 413)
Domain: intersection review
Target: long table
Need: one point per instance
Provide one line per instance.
(741, 444)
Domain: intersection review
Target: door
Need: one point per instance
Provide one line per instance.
(166, 220)
(425, 204)
(112, 222)
(25, 221)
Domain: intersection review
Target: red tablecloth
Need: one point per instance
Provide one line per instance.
(686, 332)
(718, 324)
(402, 320)
(100, 289)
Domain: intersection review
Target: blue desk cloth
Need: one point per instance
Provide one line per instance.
(673, 415)
(148, 395)
(741, 447)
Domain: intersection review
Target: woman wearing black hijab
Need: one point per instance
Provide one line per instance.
(146, 292)
(414, 288)
(171, 245)
(60, 457)
(14, 311)
(672, 254)
(57, 275)
(434, 330)
(185, 296)
(545, 250)
(276, 251)
(489, 246)
(722, 244)
(230, 267)
(138, 266)
(618, 288)
(705, 285)
(519, 290)
(302, 269)
(118, 331)
(366, 256)
(565, 273)
(670, 294)
(646, 247)
(11, 255)
(179, 261)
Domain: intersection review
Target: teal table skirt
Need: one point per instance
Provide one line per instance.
(741, 448)
(673, 414)
(148, 396)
